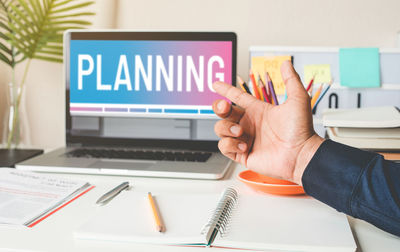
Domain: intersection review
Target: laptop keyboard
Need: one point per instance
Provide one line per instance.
(191, 156)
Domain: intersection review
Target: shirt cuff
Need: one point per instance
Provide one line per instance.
(334, 172)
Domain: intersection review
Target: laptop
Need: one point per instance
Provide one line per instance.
(139, 104)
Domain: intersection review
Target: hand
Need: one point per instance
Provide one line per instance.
(277, 141)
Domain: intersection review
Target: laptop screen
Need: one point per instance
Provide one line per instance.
(146, 85)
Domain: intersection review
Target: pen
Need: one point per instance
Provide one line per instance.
(159, 225)
(111, 194)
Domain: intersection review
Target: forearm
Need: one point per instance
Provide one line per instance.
(359, 183)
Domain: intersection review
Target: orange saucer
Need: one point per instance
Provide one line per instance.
(269, 185)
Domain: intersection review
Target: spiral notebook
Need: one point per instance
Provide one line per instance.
(230, 220)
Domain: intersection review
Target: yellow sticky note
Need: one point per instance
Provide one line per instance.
(322, 73)
(272, 65)
(257, 66)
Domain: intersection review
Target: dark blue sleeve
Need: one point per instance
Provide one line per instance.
(359, 183)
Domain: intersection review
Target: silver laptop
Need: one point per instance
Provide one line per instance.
(139, 104)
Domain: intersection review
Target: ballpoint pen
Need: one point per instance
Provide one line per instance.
(111, 194)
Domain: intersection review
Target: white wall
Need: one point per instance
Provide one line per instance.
(257, 22)
(45, 93)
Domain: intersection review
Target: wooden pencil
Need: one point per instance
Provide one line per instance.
(255, 89)
(159, 225)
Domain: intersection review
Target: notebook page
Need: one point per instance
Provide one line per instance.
(287, 223)
(128, 218)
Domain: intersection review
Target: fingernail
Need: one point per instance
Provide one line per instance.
(242, 146)
(235, 130)
(220, 105)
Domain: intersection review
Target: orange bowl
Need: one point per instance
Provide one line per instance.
(267, 184)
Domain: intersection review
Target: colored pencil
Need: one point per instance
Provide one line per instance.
(322, 95)
(310, 83)
(243, 85)
(271, 89)
(255, 89)
(261, 86)
(159, 225)
(316, 95)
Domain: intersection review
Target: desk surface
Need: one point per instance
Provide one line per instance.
(55, 233)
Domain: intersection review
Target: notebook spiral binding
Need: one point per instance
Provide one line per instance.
(219, 220)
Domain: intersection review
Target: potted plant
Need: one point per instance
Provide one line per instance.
(33, 29)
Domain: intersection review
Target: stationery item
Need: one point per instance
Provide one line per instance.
(314, 98)
(367, 143)
(28, 198)
(359, 67)
(9, 157)
(271, 64)
(372, 117)
(111, 194)
(244, 85)
(375, 128)
(382, 133)
(317, 73)
(230, 220)
(156, 214)
(321, 96)
(265, 94)
(254, 83)
(265, 184)
(259, 86)
(240, 82)
(271, 89)
(310, 84)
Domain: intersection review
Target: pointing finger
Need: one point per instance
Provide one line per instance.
(234, 94)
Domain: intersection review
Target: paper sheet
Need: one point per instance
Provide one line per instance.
(271, 64)
(26, 195)
(359, 67)
(322, 73)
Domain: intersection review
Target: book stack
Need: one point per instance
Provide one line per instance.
(375, 128)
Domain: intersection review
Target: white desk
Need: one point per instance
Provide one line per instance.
(55, 233)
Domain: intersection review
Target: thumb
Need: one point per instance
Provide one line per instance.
(294, 87)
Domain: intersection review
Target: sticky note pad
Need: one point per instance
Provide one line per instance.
(359, 67)
(272, 65)
(322, 73)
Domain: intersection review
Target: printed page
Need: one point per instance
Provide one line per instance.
(24, 195)
(129, 218)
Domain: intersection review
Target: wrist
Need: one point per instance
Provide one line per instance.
(305, 155)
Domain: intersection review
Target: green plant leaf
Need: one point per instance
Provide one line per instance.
(36, 27)
(5, 59)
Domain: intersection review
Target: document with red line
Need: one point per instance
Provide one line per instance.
(26, 197)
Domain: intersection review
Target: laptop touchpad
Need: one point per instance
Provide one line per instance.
(122, 165)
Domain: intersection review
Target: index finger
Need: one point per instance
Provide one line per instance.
(234, 94)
